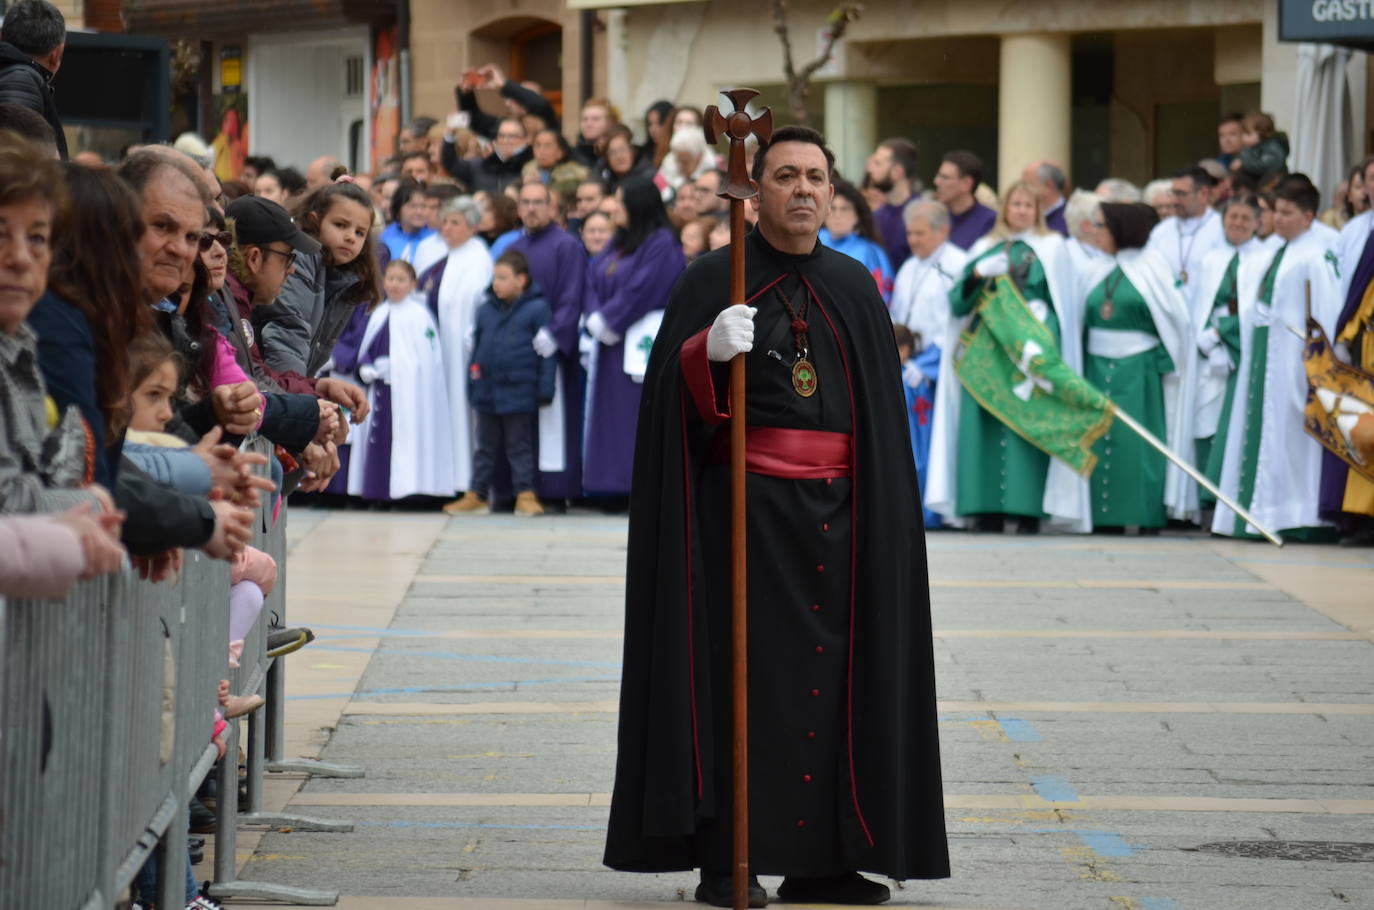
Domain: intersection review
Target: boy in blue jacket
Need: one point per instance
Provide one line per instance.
(507, 383)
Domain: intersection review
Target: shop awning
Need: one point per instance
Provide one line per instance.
(201, 19)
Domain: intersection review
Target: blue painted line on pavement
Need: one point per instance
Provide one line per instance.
(1159, 903)
(477, 658)
(481, 825)
(1054, 788)
(1105, 843)
(1019, 731)
(466, 687)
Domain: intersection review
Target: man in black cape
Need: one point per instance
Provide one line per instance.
(844, 754)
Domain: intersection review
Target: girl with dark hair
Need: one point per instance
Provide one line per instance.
(658, 128)
(628, 284)
(299, 330)
(849, 228)
(1140, 348)
(409, 225)
(94, 308)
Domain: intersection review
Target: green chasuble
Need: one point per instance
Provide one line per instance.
(1128, 483)
(1211, 453)
(999, 472)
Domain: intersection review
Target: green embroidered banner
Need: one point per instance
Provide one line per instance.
(1011, 366)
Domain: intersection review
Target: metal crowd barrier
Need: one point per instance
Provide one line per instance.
(107, 706)
(108, 710)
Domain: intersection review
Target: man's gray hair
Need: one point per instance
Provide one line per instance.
(1154, 188)
(465, 206)
(1050, 173)
(144, 165)
(932, 210)
(34, 27)
(1082, 206)
(1114, 189)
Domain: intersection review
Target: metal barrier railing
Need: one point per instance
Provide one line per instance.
(106, 715)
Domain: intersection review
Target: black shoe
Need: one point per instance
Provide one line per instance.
(281, 642)
(1028, 526)
(848, 888)
(988, 524)
(718, 890)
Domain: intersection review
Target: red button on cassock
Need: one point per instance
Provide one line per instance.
(820, 568)
(815, 692)
(811, 735)
(825, 527)
(815, 608)
(806, 778)
(820, 649)
(801, 823)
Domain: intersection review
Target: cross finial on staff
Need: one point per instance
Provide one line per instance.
(738, 126)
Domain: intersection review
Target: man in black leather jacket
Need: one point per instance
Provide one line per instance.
(32, 41)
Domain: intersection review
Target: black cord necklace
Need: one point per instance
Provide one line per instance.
(804, 380)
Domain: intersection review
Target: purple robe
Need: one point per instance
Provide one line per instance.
(623, 289)
(1334, 471)
(966, 229)
(558, 264)
(1054, 219)
(377, 471)
(345, 356)
(892, 228)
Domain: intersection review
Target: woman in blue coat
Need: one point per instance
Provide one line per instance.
(850, 229)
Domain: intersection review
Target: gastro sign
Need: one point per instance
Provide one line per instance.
(1331, 21)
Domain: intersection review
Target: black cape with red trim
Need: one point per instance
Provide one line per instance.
(669, 809)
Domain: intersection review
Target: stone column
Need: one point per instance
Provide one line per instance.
(851, 125)
(1034, 103)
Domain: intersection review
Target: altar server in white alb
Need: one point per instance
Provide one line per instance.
(1185, 239)
(1230, 274)
(920, 296)
(1271, 465)
(402, 448)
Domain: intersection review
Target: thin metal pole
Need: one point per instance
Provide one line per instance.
(1197, 475)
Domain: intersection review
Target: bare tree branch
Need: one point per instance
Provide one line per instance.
(799, 83)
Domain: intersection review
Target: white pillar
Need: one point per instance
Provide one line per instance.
(1034, 103)
(851, 125)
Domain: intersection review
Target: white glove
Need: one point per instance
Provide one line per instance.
(544, 345)
(596, 325)
(992, 266)
(383, 365)
(367, 373)
(1207, 340)
(732, 333)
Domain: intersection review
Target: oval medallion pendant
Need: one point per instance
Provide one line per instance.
(1108, 310)
(804, 378)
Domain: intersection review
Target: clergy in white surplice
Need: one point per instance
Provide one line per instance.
(920, 295)
(1271, 465)
(1185, 239)
(454, 289)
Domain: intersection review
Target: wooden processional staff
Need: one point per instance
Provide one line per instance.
(738, 126)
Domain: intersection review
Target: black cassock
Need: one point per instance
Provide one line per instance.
(844, 751)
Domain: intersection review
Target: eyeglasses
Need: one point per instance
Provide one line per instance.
(289, 255)
(223, 238)
(533, 203)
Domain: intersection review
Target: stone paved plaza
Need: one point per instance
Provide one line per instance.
(1157, 723)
